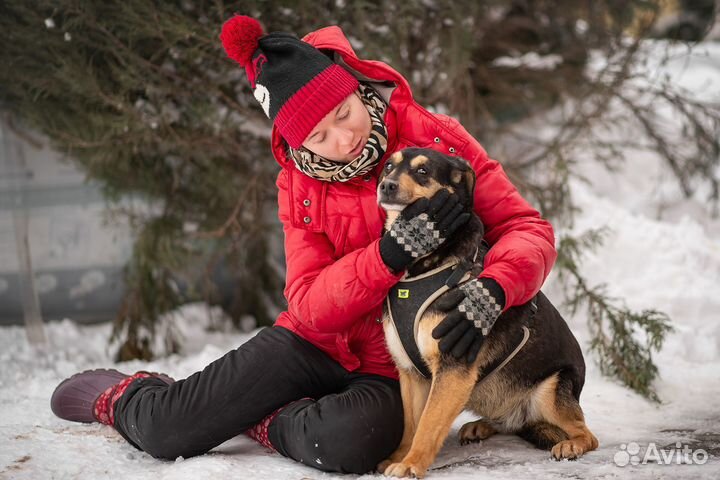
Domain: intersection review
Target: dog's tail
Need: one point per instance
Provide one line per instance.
(543, 435)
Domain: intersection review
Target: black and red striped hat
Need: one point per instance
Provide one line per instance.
(295, 83)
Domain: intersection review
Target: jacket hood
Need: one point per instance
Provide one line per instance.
(332, 38)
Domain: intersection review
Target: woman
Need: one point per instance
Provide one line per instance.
(320, 386)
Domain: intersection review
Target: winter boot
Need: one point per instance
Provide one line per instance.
(91, 395)
(259, 432)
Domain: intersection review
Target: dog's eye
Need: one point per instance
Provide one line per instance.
(388, 167)
(422, 171)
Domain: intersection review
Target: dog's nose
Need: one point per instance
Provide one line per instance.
(388, 186)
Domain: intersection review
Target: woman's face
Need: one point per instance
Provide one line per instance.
(343, 133)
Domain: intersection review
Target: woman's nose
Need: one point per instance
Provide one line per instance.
(345, 137)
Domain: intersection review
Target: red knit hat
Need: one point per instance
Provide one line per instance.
(295, 83)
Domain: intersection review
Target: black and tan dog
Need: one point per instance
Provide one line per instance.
(530, 370)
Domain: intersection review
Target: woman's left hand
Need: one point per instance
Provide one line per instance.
(472, 309)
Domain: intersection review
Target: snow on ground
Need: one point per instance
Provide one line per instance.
(668, 261)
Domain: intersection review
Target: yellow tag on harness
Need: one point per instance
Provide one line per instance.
(403, 293)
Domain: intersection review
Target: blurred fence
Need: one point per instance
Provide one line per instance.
(75, 259)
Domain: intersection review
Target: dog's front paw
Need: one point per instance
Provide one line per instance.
(570, 449)
(401, 469)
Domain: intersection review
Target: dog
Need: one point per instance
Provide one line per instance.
(529, 373)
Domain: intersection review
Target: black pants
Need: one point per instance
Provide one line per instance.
(353, 422)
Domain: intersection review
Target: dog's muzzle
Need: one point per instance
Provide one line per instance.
(388, 191)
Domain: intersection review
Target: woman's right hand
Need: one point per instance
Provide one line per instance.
(421, 228)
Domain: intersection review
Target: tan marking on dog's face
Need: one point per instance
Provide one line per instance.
(406, 187)
(418, 161)
(456, 176)
(395, 159)
(411, 190)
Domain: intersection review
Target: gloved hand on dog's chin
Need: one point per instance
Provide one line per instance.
(473, 308)
(421, 228)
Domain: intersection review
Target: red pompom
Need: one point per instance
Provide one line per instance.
(240, 37)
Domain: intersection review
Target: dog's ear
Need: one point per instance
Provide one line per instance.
(463, 178)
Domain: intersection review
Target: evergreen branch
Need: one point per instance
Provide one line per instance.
(622, 340)
(232, 220)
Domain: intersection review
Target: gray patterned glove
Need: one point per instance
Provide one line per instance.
(473, 309)
(421, 228)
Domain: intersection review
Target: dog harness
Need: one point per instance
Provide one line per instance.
(408, 300)
(410, 297)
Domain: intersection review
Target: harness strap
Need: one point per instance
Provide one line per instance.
(526, 336)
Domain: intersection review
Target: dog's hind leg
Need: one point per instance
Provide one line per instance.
(556, 404)
(449, 393)
(414, 391)
(475, 431)
(543, 435)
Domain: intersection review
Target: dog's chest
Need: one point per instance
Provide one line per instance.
(402, 360)
(405, 305)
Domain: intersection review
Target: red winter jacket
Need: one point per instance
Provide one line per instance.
(336, 281)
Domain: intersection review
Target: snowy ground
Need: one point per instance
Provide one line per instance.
(668, 261)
